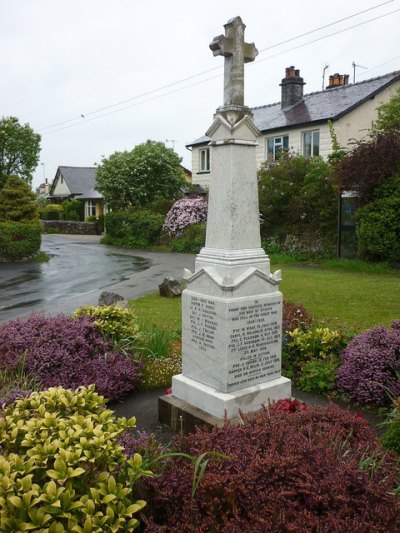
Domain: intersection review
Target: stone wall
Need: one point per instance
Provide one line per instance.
(69, 226)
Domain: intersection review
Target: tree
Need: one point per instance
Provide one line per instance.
(17, 201)
(149, 172)
(369, 165)
(19, 150)
(298, 197)
(389, 114)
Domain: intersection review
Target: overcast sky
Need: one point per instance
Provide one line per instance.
(98, 76)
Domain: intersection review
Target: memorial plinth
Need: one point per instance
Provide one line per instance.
(232, 306)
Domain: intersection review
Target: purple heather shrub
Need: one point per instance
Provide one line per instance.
(67, 352)
(370, 366)
(184, 212)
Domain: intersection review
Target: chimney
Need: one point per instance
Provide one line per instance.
(292, 87)
(335, 80)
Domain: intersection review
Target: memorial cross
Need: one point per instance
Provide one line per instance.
(236, 53)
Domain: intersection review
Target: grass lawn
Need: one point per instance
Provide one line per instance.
(344, 298)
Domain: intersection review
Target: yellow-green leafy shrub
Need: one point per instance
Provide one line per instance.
(158, 372)
(61, 467)
(315, 342)
(115, 323)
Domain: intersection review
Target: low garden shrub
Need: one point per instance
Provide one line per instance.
(315, 469)
(62, 467)
(295, 316)
(378, 223)
(115, 323)
(136, 229)
(52, 212)
(158, 372)
(191, 240)
(310, 356)
(183, 213)
(67, 352)
(318, 375)
(19, 240)
(370, 366)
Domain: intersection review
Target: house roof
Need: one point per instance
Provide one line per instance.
(80, 181)
(320, 106)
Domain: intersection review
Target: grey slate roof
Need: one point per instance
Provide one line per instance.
(317, 107)
(80, 181)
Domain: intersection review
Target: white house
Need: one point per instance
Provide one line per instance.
(300, 122)
(78, 183)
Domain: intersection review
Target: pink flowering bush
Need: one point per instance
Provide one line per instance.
(183, 213)
(67, 352)
(370, 366)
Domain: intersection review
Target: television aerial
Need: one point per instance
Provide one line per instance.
(354, 70)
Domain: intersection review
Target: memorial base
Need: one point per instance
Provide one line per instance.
(222, 404)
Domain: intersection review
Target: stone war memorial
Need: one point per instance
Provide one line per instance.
(232, 306)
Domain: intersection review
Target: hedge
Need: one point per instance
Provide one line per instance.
(135, 229)
(19, 240)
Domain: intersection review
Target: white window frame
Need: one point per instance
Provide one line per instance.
(312, 133)
(278, 144)
(204, 160)
(90, 208)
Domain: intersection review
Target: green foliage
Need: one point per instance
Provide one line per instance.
(62, 468)
(156, 340)
(389, 114)
(149, 172)
(20, 149)
(19, 240)
(162, 206)
(73, 209)
(318, 375)
(311, 357)
(315, 342)
(298, 197)
(115, 323)
(192, 239)
(378, 228)
(337, 153)
(136, 229)
(52, 212)
(15, 378)
(17, 201)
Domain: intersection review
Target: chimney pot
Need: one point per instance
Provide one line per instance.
(292, 87)
(336, 80)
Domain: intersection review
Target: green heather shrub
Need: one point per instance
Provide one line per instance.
(391, 436)
(115, 323)
(52, 212)
(136, 229)
(62, 468)
(19, 240)
(191, 240)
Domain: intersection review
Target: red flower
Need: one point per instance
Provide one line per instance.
(168, 391)
(287, 405)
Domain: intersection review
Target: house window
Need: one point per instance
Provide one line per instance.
(90, 208)
(276, 145)
(205, 160)
(311, 143)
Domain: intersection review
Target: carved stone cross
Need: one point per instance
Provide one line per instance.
(236, 53)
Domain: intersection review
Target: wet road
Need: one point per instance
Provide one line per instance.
(79, 270)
